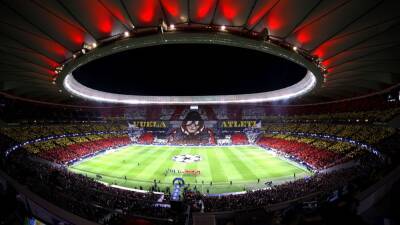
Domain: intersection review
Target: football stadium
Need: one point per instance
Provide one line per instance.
(199, 112)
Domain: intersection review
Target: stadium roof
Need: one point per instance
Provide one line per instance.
(357, 41)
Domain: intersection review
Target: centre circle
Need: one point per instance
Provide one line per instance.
(186, 158)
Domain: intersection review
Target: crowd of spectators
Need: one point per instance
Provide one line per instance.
(316, 157)
(178, 137)
(74, 151)
(363, 133)
(316, 152)
(372, 109)
(363, 117)
(90, 199)
(239, 139)
(79, 194)
(334, 146)
(22, 133)
(364, 110)
(318, 186)
(146, 138)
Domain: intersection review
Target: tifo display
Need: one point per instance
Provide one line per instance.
(223, 160)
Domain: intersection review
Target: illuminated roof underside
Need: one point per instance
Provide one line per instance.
(311, 80)
(357, 41)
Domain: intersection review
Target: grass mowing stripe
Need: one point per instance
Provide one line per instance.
(133, 170)
(259, 161)
(232, 172)
(216, 170)
(173, 165)
(203, 167)
(130, 154)
(147, 164)
(107, 164)
(131, 166)
(281, 167)
(104, 158)
(191, 166)
(165, 164)
(240, 166)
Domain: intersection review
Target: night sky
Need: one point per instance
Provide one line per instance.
(189, 69)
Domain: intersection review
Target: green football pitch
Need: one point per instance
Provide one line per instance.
(141, 165)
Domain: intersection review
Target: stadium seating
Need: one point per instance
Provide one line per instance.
(281, 193)
(287, 132)
(316, 157)
(79, 194)
(77, 150)
(364, 133)
(146, 138)
(30, 132)
(239, 139)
